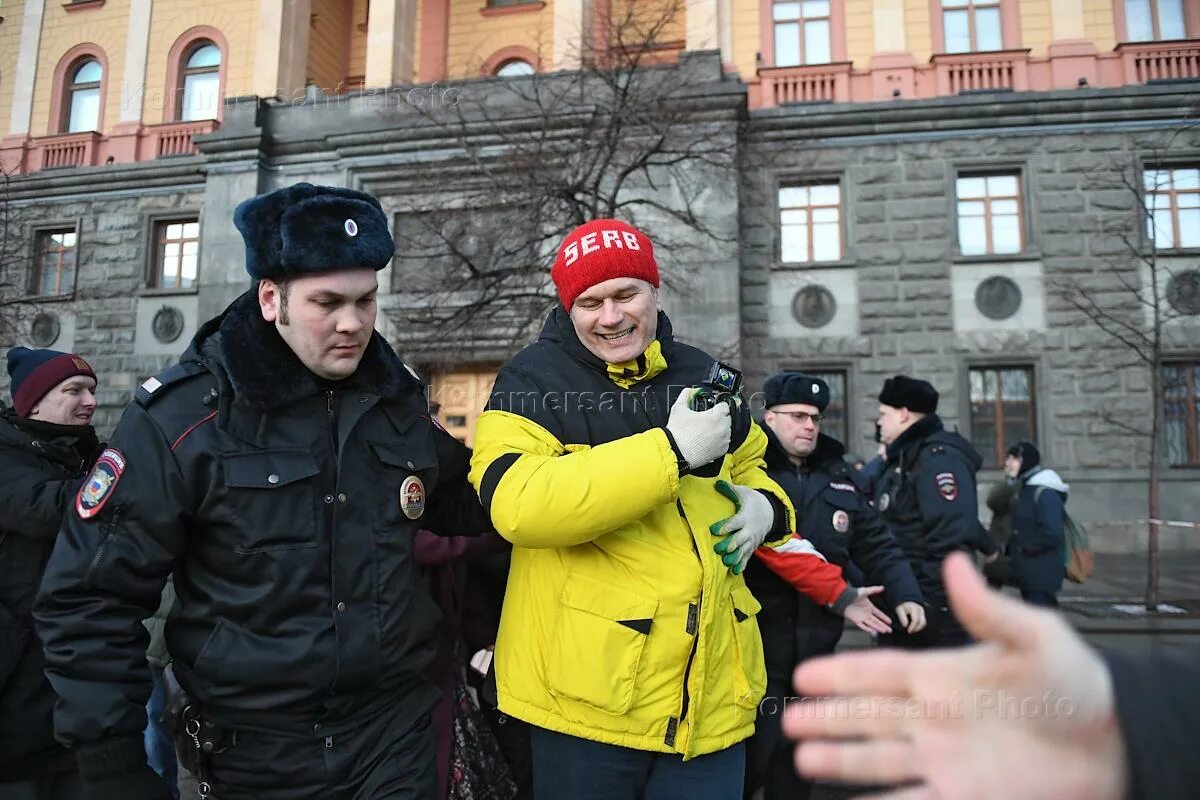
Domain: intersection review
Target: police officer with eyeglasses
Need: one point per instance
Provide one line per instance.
(836, 516)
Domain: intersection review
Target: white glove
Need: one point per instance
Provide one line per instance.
(701, 436)
(745, 530)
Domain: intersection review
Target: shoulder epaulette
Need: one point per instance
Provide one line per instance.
(155, 387)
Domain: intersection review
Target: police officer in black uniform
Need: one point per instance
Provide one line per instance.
(927, 495)
(834, 515)
(280, 471)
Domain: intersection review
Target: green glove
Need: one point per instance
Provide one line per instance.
(742, 533)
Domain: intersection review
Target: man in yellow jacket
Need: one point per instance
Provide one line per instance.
(628, 637)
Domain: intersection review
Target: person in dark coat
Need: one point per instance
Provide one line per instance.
(444, 561)
(1034, 712)
(280, 470)
(927, 495)
(1037, 549)
(836, 517)
(1000, 499)
(47, 444)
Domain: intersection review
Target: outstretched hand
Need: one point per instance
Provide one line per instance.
(863, 613)
(1027, 713)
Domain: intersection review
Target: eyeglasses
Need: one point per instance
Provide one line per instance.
(802, 416)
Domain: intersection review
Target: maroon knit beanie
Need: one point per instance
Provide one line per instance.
(36, 372)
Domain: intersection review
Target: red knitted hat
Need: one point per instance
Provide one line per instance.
(598, 251)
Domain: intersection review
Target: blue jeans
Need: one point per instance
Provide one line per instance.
(160, 750)
(570, 768)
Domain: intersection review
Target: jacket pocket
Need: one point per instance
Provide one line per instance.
(270, 495)
(405, 478)
(599, 636)
(749, 671)
(260, 671)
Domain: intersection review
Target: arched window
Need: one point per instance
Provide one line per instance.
(82, 111)
(514, 68)
(200, 79)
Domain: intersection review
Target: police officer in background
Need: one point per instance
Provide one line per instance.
(280, 470)
(927, 496)
(836, 517)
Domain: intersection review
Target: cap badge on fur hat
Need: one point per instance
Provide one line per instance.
(309, 230)
(787, 388)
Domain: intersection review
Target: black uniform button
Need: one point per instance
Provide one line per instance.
(341, 606)
(342, 498)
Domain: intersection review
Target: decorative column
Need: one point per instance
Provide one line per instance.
(281, 57)
(125, 135)
(13, 146)
(391, 36)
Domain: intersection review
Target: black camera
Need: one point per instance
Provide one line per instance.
(722, 384)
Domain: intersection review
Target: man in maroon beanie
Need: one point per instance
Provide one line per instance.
(628, 638)
(42, 388)
(46, 447)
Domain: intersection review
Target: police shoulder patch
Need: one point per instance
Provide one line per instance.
(947, 485)
(100, 483)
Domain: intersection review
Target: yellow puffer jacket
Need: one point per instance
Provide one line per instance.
(620, 623)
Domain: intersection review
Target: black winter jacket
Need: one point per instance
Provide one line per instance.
(41, 467)
(833, 514)
(286, 508)
(927, 496)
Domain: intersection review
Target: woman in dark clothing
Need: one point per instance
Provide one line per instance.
(47, 445)
(1037, 549)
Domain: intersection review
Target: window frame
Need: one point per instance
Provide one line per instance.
(1010, 28)
(181, 50)
(63, 89)
(791, 182)
(507, 54)
(151, 272)
(801, 22)
(766, 35)
(34, 278)
(1149, 242)
(1026, 208)
(1192, 415)
(1191, 22)
(1033, 367)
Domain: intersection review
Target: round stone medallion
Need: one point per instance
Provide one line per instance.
(167, 324)
(44, 330)
(998, 297)
(814, 306)
(1183, 292)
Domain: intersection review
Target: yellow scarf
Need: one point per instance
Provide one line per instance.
(644, 367)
